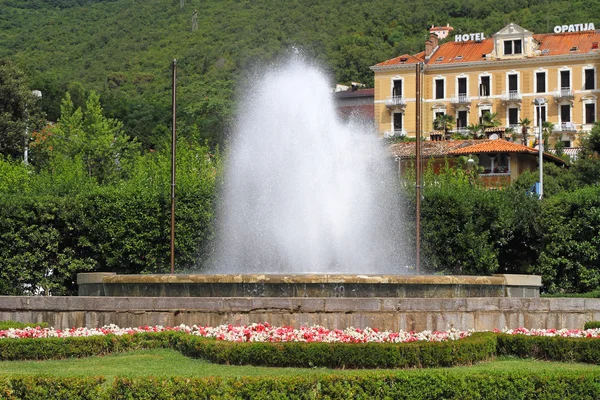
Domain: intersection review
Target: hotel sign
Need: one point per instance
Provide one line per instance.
(574, 28)
(469, 36)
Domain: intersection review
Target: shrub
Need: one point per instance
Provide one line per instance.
(592, 325)
(478, 347)
(4, 325)
(558, 348)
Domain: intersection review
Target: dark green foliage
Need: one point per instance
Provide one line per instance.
(584, 350)
(20, 113)
(592, 325)
(479, 347)
(570, 251)
(4, 325)
(41, 388)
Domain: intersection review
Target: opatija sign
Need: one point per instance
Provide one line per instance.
(574, 28)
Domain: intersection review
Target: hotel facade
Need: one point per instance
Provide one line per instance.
(516, 74)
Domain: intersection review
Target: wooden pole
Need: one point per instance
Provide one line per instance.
(418, 169)
(173, 153)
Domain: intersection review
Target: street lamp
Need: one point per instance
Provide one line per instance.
(539, 102)
(37, 94)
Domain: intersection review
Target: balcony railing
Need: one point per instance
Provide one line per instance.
(565, 127)
(394, 133)
(564, 93)
(514, 127)
(512, 95)
(460, 99)
(395, 101)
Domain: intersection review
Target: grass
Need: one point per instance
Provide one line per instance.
(163, 362)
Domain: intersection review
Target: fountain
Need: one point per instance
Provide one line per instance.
(311, 208)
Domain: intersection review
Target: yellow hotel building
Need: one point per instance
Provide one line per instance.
(503, 74)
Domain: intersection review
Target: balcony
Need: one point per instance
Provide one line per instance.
(395, 102)
(565, 127)
(460, 99)
(513, 96)
(564, 93)
(394, 133)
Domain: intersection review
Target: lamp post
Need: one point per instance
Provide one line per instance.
(37, 94)
(539, 102)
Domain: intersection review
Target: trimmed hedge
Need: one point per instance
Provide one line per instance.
(445, 384)
(591, 325)
(58, 348)
(398, 385)
(478, 347)
(5, 325)
(586, 350)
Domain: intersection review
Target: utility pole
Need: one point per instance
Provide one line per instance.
(173, 153)
(418, 168)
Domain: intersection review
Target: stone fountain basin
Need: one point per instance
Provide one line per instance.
(307, 285)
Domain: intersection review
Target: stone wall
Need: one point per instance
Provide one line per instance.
(382, 313)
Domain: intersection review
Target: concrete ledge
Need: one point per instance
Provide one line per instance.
(336, 313)
(308, 285)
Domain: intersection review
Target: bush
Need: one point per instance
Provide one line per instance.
(592, 325)
(41, 387)
(4, 325)
(397, 385)
(478, 347)
(584, 350)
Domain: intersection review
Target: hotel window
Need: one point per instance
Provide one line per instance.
(590, 79)
(439, 88)
(398, 123)
(540, 110)
(590, 113)
(513, 116)
(513, 83)
(437, 115)
(461, 119)
(512, 47)
(540, 82)
(482, 114)
(484, 86)
(397, 88)
(565, 113)
(565, 80)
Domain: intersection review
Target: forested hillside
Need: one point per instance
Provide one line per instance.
(122, 49)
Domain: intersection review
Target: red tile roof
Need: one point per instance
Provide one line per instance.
(429, 148)
(465, 147)
(551, 44)
(404, 59)
(500, 146)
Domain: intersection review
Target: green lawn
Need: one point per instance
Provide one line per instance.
(172, 363)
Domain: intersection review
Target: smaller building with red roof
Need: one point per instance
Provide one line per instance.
(500, 161)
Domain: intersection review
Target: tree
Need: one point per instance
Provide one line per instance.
(524, 122)
(444, 122)
(19, 111)
(476, 130)
(99, 141)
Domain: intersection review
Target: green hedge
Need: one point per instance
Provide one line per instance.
(5, 325)
(586, 350)
(439, 384)
(478, 347)
(399, 385)
(58, 348)
(592, 325)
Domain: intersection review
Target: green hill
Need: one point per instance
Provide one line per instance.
(123, 48)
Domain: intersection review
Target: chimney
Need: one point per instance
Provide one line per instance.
(431, 45)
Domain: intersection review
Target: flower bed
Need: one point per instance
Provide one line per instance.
(252, 333)
(566, 333)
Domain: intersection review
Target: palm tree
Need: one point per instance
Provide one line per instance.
(490, 120)
(444, 122)
(524, 122)
(476, 130)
